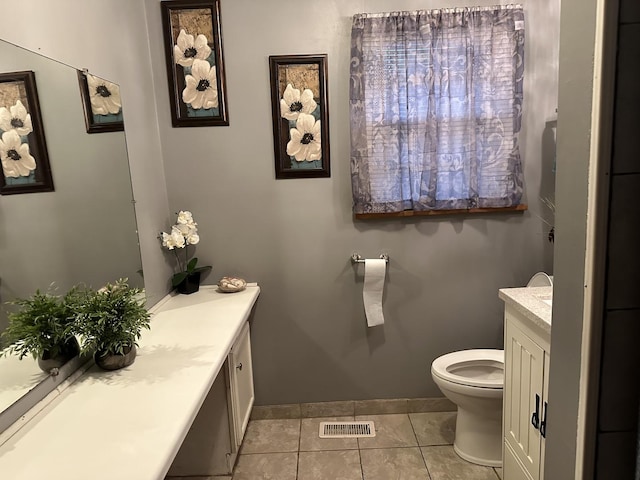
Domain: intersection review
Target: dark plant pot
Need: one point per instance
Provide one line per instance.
(69, 349)
(115, 361)
(189, 285)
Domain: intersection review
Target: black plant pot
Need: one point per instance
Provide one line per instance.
(115, 361)
(189, 285)
(69, 349)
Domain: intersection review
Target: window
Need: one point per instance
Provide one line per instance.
(436, 106)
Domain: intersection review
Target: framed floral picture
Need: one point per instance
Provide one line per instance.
(300, 115)
(23, 148)
(101, 102)
(195, 67)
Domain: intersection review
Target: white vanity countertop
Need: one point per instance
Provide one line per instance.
(17, 377)
(129, 424)
(532, 302)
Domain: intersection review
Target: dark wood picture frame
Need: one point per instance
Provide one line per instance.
(296, 152)
(18, 141)
(195, 17)
(96, 122)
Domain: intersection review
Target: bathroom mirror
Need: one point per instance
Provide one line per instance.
(82, 232)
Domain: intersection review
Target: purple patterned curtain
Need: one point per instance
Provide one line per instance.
(436, 107)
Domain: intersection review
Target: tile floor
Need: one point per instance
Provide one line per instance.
(414, 446)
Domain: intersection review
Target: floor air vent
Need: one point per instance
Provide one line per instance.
(347, 429)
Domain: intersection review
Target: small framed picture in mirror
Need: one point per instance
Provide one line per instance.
(195, 67)
(23, 148)
(101, 103)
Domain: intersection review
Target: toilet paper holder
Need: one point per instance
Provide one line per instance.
(356, 258)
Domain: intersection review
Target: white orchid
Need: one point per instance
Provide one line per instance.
(183, 234)
(185, 217)
(16, 159)
(305, 139)
(293, 103)
(104, 96)
(202, 88)
(16, 118)
(186, 49)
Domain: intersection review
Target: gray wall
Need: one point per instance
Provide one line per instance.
(295, 237)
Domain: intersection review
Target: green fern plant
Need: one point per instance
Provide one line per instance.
(110, 320)
(43, 323)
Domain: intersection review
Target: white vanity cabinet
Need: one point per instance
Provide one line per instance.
(212, 444)
(526, 377)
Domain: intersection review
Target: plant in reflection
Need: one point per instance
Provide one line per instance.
(44, 326)
(183, 234)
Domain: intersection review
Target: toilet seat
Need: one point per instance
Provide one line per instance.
(481, 368)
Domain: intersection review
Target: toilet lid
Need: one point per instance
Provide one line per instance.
(483, 368)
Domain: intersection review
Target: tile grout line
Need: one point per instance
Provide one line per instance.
(298, 453)
(424, 460)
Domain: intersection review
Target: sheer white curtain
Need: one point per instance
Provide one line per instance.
(436, 106)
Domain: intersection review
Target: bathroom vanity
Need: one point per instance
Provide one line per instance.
(527, 335)
(181, 408)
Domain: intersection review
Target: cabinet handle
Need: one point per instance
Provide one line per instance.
(543, 424)
(239, 366)
(535, 418)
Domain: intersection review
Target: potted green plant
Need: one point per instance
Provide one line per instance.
(43, 327)
(110, 321)
(183, 234)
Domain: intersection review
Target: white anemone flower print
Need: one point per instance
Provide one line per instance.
(187, 49)
(16, 160)
(305, 139)
(201, 90)
(16, 118)
(293, 103)
(104, 96)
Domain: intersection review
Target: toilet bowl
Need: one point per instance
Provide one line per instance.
(473, 380)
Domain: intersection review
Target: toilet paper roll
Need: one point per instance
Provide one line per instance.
(374, 273)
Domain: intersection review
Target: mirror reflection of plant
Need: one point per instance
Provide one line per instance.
(183, 234)
(110, 320)
(43, 323)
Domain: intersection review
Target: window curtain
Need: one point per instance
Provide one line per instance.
(436, 107)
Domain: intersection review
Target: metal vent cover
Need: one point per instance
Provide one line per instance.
(347, 429)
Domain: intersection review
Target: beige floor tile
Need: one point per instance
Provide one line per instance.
(269, 436)
(333, 465)
(393, 464)
(444, 464)
(436, 428)
(391, 431)
(266, 466)
(311, 441)
(206, 477)
(499, 472)
(275, 411)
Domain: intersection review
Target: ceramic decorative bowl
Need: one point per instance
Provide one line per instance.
(231, 284)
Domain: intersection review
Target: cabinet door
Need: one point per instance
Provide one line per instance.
(524, 363)
(242, 394)
(544, 414)
(511, 468)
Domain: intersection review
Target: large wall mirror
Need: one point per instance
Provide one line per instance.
(82, 232)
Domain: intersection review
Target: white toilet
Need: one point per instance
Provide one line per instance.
(473, 380)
